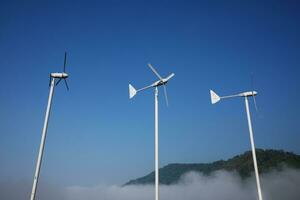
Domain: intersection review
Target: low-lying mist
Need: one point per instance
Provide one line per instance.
(221, 185)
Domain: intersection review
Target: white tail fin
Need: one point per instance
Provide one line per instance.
(214, 97)
(132, 91)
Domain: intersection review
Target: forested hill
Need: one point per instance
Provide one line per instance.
(243, 164)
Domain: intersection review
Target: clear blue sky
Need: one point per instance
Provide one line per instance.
(96, 134)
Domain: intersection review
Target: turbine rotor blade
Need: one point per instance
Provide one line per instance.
(65, 62)
(58, 82)
(252, 86)
(155, 72)
(66, 83)
(170, 76)
(254, 100)
(166, 94)
(49, 80)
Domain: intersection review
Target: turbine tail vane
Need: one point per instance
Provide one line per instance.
(132, 91)
(214, 97)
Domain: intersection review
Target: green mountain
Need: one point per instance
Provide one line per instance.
(267, 160)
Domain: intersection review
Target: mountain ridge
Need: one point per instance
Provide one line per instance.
(267, 160)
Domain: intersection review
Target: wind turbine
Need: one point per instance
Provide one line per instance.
(216, 98)
(132, 93)
(55, 79)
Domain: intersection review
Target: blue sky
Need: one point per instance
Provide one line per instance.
(96, 134)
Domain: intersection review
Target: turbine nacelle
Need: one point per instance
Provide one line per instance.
(247, 94)
(59, 75)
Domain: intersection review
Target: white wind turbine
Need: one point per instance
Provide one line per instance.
(132, 93)
(215, 98)
(53, 77)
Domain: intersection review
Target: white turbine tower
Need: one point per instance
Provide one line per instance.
(215, 98)
(132, 93)
(53, 77)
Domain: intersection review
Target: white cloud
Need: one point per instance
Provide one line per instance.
(221, 185)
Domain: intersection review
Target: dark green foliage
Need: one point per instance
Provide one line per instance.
(267, 160)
